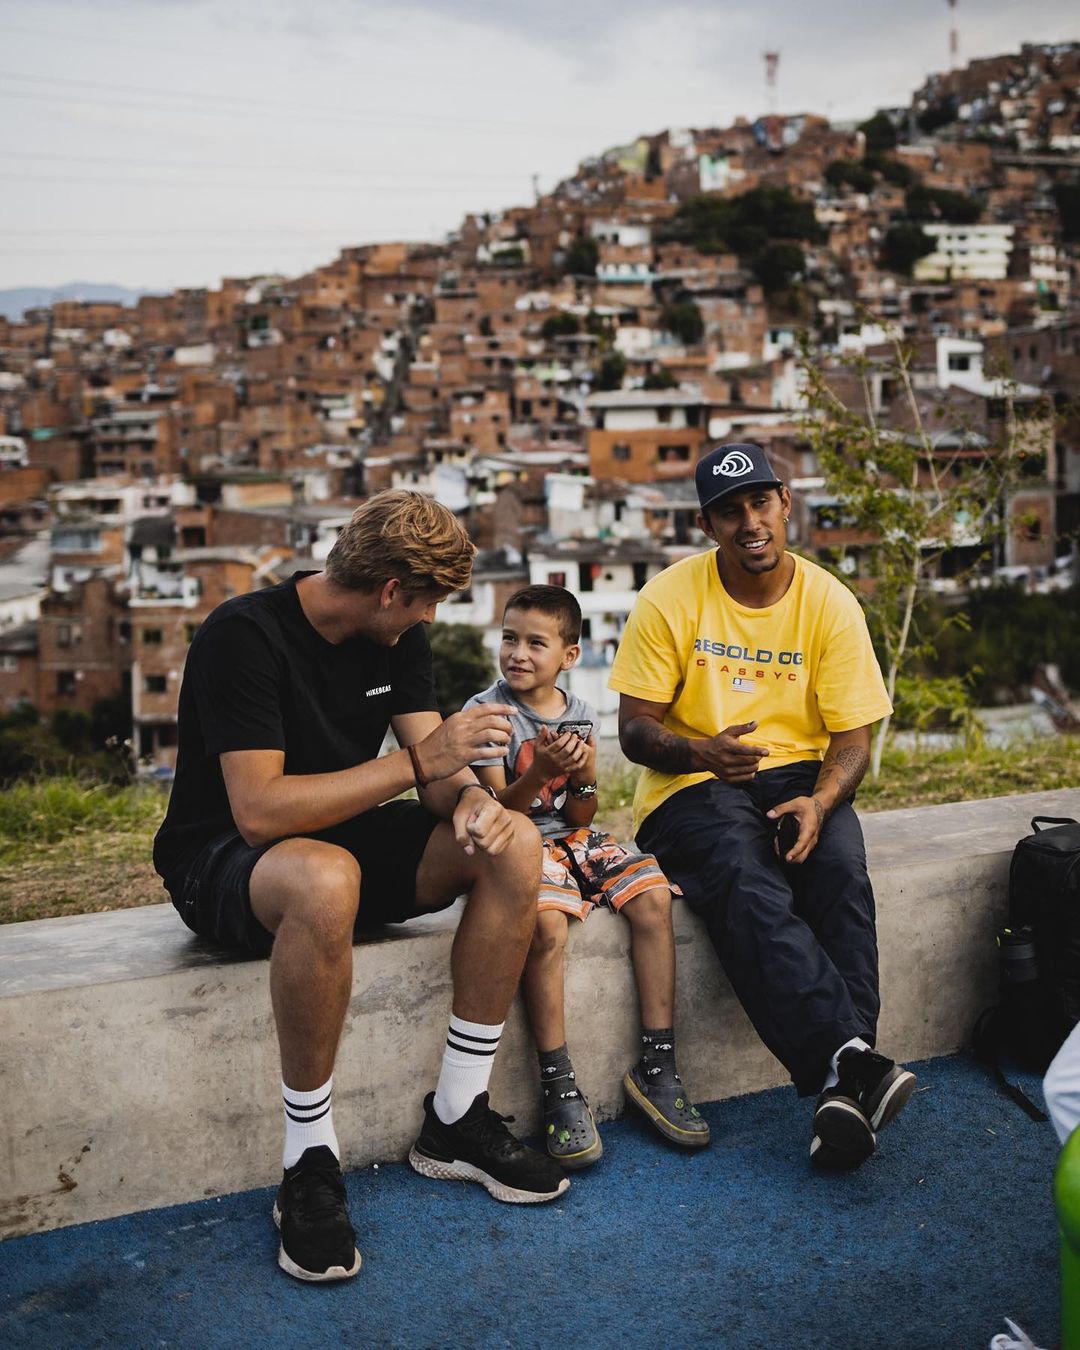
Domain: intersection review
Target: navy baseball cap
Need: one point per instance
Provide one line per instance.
(733, 468)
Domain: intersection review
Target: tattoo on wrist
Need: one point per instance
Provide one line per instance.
(647, 742)
(846, 769)
(820, 812)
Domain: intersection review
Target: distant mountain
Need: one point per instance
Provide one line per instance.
(15, 302)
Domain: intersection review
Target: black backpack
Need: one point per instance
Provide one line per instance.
(1039, 957)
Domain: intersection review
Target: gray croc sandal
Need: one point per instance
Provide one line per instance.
(570, 1134)
(662, 1100)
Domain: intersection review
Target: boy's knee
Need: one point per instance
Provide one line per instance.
(650, 909)
(549, 935)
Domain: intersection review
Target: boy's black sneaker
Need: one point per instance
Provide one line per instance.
(317, 1239)
(479, 1147)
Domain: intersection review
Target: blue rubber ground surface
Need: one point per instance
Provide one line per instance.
(948, 1229)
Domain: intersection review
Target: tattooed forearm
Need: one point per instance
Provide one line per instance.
(842, 771)
(645, 741)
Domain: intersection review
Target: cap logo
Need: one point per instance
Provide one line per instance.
(734, 464)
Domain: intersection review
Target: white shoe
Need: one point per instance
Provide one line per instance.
(1016, 1338)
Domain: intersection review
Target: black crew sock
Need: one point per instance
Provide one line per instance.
(557, 1077)
(658, 1052)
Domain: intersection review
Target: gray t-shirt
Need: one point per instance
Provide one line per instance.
(546, 811)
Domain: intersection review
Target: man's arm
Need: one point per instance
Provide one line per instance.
(846, 761)
(269, 804)
(645, 740)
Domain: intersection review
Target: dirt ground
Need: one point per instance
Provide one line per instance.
(81, 875)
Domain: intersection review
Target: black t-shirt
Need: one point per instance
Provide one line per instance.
(259, 677)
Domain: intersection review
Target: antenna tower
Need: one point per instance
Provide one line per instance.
(772, 60)
(954, 38)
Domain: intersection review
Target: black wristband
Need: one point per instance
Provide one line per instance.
(483, 788)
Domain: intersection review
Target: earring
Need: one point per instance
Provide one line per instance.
(785, 520)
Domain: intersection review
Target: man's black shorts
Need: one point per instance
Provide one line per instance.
(388, 843)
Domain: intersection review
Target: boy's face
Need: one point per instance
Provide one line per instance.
(533, 654)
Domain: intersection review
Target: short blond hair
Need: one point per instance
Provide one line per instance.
(404, 535)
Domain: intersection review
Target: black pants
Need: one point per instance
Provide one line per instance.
(797, 942)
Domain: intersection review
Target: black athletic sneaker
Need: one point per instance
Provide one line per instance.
(869, 1094)
(317, 1239)
(479, 1147)
(661, 1098)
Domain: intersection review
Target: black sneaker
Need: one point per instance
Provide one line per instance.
(661, 1098)
(885, 1086)
(317, 1239)
(479, 1147)
(869, 1094)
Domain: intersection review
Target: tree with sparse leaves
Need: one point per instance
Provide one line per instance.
(910, 501)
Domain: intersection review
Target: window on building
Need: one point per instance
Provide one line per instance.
(65, 682)
(123, 630)
(63, 635)
(151, 637)
(154, 684)
(9, 663)
(663, 414)
(620, 452)
(556, 578)
(674, 454)
(957, 361)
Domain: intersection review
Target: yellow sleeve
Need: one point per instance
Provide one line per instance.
(648, 664)
(849, 687)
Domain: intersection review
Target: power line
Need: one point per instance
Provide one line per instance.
(248, 167)
(254, 107)
(418, 190)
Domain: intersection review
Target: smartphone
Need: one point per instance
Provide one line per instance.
(580, 729)
(787, 834)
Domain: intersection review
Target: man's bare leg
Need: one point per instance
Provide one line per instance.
(494, 933)
(306, 893)
(461, 1138)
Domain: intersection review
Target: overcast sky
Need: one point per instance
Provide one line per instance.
(162, 143)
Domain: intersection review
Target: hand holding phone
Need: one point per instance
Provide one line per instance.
(787, 835)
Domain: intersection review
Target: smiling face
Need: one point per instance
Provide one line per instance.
(750, 529)
(533, 654)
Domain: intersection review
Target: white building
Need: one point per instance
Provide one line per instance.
(966, 253)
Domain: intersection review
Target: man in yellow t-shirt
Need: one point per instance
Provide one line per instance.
(748, 687)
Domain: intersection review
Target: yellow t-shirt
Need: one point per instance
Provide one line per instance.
(801, 668)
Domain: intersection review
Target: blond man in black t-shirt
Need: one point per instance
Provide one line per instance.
(283, 837)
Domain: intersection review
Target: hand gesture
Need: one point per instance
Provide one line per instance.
(478, 735)
(726, 755)
(810, 815)
(481, 823)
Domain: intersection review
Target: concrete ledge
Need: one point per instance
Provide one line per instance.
(140, 1065)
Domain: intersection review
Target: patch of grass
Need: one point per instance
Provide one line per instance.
(46, 811)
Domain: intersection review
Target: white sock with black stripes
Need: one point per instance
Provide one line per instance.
(466, 1067)
(309, 1121)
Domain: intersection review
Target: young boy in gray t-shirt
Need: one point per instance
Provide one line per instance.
(549, 774)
